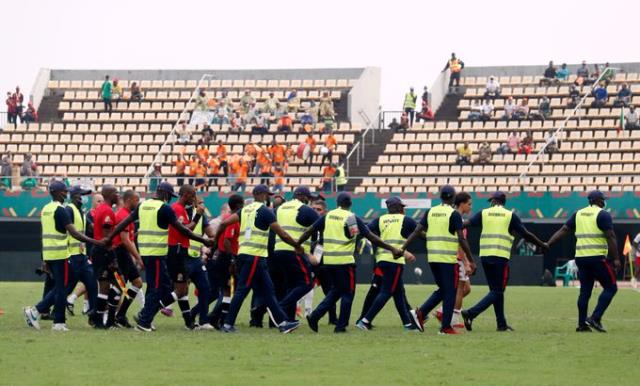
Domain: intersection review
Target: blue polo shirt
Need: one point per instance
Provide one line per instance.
(61, 218)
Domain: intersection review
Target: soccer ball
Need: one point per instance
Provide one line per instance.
(418, 271)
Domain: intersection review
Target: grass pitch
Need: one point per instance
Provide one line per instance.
(544, 349)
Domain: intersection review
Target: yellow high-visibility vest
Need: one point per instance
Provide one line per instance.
(287, 214)
(152, 240)
(390, 232)
(590, 240)
(54, 244)
(76, 247)
(338, 249)
(253, 241)
(495, 239)
(442, 246)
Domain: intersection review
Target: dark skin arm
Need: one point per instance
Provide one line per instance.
(416, 232)
(612, 243)
(378, 242)
(120, 227)
(286, 237)
(562, 232)
(234, 218)
(82, 237)
(530, 237)
(464, 245)
(180, 227)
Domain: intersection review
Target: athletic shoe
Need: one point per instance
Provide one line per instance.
(70, 309)
(46, 317)
(583, 328)
(505, 329)
(123, 322)
(142, 328)
(31, 317)
(458, 325)
(449, 331)
(438, 315)
(168, 312)
(411, 327)
(85, 307)
(228, 329)
(595, 324)
(59, 327)
(415, 320)
(313, 324)
(287, 327)
(339, 330)
(205, 327)
(467, 319)
(362, 325)
(299, 311)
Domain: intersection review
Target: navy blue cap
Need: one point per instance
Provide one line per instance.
(394, 201)
(167, 188)
(303, 190)
(57, 186)
(596, 195)
(77, 189)
(317, 196)
(447, 191)
(262, 188)
(343, 199)
(500, 196)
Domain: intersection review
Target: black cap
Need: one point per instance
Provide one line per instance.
(167, 188)
(57, 186)
(498, 196)
(302, 190)
(447, 191)
(262, 188)
(79, 190)
(317, 196)
(394, 201)
(596, 195)
(343, 199)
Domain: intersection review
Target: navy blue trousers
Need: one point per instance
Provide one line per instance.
(82, 271)
(219, 276)
(446, 277)
(158, 284)
(296, 273)
(496, 270)
(591, 269)
(197, 273)
(343, 288)
(57, 297)
(391, 285)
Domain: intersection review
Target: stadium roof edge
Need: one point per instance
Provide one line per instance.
(538, 69)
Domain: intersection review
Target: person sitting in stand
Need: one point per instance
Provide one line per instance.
(544, 110)
(526, 145)
(476, 110)
(574, 97)
(116, 90)
(509, 109)
(285, 124)
(486, 111)
(293, 101)
(522, 110)
(631, 119)
(306, 122)
(426, 114)
(601, 96)
(464, 154)
(511, 146)
(271, 104)
(624, 96)
(330, 144)
(563, 73)
(394, 125)
(246, 101)
(30, 115)
(492, 90)
(549, 76)
(552, 143)
(404, 122)
(136, 93)
(260, 126)
(484, 153)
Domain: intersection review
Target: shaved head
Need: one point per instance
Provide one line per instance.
(97, 200)
(110, 194)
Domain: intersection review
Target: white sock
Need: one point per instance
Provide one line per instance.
(85, 306)
(72, 298)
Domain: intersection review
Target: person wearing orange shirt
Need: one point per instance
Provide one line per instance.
(221, 153)
(311, 142)
(181, 165)
(243, 172)
(278, 153)
(214, 170)
(193, 166)
(262, 157)
(330, 144)
(234, 168)
(203, 152)
(265, 171)
(285, 124)
(201, 173)
(278, 181)
(328, 173)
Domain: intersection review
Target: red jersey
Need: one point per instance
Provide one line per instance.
(231, 233)
(175, 237)
(121, 214)
(104, 215)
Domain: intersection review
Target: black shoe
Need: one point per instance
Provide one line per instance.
(583, 328)
(339, 330)
(503, 328)
(467, 319)
(70, 309)
(333, 322)
(45, 317)
(255, 324)
(123, 322)
(313, 324)
(595, 324)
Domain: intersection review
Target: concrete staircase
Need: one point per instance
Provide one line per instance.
(372, 152)
(448, 110)
(48, 109)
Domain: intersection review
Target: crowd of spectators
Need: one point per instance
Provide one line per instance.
(16, 111)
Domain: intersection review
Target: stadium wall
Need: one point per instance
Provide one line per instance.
(534, 70)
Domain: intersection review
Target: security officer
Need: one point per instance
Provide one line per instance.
(595, 240)
(443, 226)
(394, 228)
(455, 65)
(341, 178)
(153, 236)
(256, 219)
(409, 105)
(55, 251)
(496, 240)
(340, 229)
(295, 217)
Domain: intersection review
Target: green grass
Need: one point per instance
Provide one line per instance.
(544, 350)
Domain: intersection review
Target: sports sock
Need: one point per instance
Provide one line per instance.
(101, 306)
(168, 299)
(113, 301)
(183, 303)
(72, 298)
(132, 292)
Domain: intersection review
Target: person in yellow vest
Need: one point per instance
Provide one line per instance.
(498, 226)
(340, 229)
(595, 240)
(56, 226)
(155, 216)
(341, 178)
(455, 65)
(394, 228)
(409, 105)
(256, 220)
(443, 226)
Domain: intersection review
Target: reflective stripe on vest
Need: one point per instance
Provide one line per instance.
(287, 215)
(338, 249)
(257, 243)
(54, 243)
(342, 178)
(495, 239)
(195, 246)
(76, 247)
(442, 246)
(454, 65)
(152, 240)
(390, 232)
(409, 101)
(590, 240)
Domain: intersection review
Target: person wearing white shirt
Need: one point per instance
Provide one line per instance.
(486, 110)
(492, 89)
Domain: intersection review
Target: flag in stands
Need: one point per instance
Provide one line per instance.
(627, 246)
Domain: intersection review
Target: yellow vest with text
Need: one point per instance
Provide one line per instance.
(76, 247)
(442, 246)
(54, 244)
(287, 214)
(454, 65)
(257, 243)
(342, 178)
(409, 101)
(590, 240)
(390, 232)
(196, 246)
(495, 239)
(152, 240)
(338, 249)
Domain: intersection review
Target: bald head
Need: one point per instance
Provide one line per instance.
(97, 200)
(187, 194)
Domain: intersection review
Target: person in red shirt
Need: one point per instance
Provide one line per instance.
(178, 254)
(127, 256)
(104, 259)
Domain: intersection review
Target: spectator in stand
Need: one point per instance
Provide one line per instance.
(425, 96)
(624, 96)
(278, 181)
(12, 114)
(594, 75)
(286, 124)
(183, 134)
(601, 95)
(251, 115)
(522, 110)
(221, 153)
(326, 110)
(607, 74)
(311, 142)
(260, 126)
(246, 101)
(202, 101)
(631, 119)
(234, 125)
(404, 122)
(193, 168)
(271, 104)
(19, 99)
(105, 94)
(563, 73)
(544, 110)
(552, 143)
(201, 175)
(409, 105)
(426, 114)
(330, 145)
(582, 74)
(306, 122)
(486, 111)
(214, 170)
(234, 167)
(31, 115)
(511, 146)
(203, 152)
(155, 177)
(224, 99)
(241, 180)
(484, 153)
(509, 109)
(26, 170)
(328, 174)
(181, 166)
(293, 101)
(207, 134)
(265, 169)
(278, 153)
(492, 89)
(314, 110)
(464, 154)
(116, 90)
(394, 125)
(250, 153)
(6, 171)
(549, 76)
(475, 111)
(455, 65)
(526, 145)
(136, 93)
(574, 97)
(222, 114)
